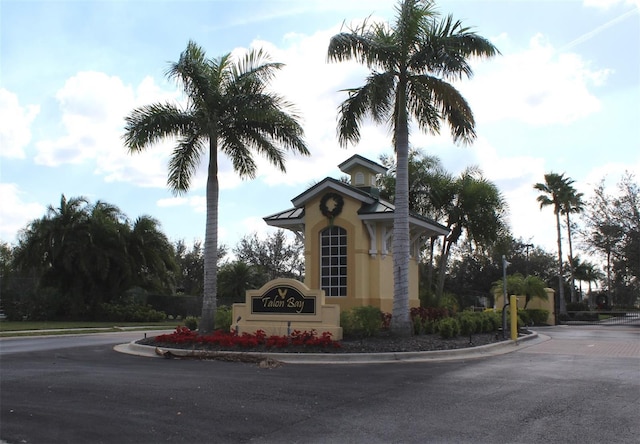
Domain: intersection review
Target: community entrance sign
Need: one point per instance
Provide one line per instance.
(283, 299)
(284, 305)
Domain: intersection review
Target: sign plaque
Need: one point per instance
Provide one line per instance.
(283, 299)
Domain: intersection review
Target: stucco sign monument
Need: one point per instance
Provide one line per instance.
(284, 305)
(347, 231)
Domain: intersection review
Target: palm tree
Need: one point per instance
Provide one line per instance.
(530, 287)
(230, 110)
(587, 272)
(411, 64)
(477, 209)
(571, 204)
(152, 256)
(554, 192)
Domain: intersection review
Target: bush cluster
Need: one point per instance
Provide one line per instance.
(130, 313)
(424, 319)
(222, 320)
(191, 322)
(430, 320)
(538, 316)
(362, 322)
(577, 306)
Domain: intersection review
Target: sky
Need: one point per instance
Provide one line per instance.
(563, 97)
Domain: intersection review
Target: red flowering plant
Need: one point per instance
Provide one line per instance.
(298, 340)
(424, 318)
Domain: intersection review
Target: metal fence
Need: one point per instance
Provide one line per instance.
(599, 317)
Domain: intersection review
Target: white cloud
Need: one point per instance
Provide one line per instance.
(15, 214)
(93, 106)
(15, 125)
(197, 203)
(538, 86)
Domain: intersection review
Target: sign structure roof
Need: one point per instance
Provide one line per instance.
(372, 209)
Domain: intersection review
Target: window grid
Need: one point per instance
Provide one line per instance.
(333, 261)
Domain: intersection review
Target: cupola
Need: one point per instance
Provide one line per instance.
(363, 173)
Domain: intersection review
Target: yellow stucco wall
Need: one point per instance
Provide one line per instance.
(536, 303)
(369, 277)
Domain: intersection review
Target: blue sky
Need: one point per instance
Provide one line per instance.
(563, 97)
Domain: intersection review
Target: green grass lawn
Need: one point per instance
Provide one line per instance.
(23, 328)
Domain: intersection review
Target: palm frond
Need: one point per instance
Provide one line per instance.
(192, 70)
(449, 103)
(149, 124)
(421, 107)
(255, 68)
(413, 17)
(445, 48)
(376, 98)
(233, 144)
(372, 45)
(184, 162)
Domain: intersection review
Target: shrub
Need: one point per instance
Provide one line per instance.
(491, 321)
(469, 323)
(448, 328)
(577, 306)
(538, 316)
(525, 316)
(223, 318)
(130, 313)
(449, 302)
(191, 322)
(361, 321)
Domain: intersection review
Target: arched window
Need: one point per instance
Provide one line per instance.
(333, 261)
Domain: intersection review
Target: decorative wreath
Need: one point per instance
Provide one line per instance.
(338, 203)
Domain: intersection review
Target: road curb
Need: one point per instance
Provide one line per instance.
(481, 351)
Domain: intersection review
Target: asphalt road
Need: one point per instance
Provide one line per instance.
(581, 386)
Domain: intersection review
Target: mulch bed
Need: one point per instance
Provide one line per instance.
(382, 343)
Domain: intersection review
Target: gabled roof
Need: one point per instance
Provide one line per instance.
(356, 159)
(335, 185)
(372, 209)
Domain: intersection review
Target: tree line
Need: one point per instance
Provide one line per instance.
(82, 259)
(462, 266)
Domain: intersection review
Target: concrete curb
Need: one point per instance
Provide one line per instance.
(341, 358)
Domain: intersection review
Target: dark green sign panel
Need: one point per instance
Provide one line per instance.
(283, 300)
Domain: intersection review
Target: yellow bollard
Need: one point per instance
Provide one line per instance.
(513, 309)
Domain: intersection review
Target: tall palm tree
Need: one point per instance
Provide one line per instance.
(230, 110)
(571, 204)
(411, 64)
(553, 194)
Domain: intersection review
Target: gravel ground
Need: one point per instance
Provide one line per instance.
(377, 344)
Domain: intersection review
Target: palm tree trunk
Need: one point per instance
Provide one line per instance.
(209, 298)
(562, 303)
(401, 324)
(432, 246)
(572, 289)
(442, 267)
